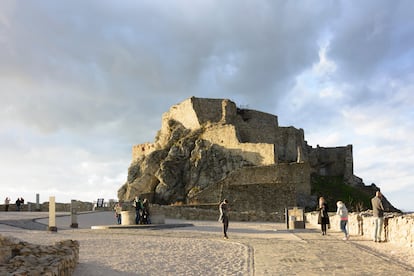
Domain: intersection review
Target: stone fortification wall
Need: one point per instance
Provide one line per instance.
(209, 110)
(219, 137)
(290, 145)
(23, 258)
(183, 113)
(336, 161)
(142, 150)
(226, 137)
(253, 134)
(255, 127)
(398, 229)
(268, 189)
(211, 212)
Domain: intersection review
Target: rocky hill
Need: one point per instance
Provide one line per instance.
(209, 149)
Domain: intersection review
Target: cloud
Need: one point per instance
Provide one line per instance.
(81, 82)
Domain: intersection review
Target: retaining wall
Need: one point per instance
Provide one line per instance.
(398, 228)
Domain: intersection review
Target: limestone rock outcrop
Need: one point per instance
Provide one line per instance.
(208, 149)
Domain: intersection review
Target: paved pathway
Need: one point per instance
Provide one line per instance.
(273, 250)
(314, 254)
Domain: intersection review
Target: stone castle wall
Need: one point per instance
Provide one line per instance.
(268, 189)
(254, 126)
(290, 145)
(142, 150)
(256, 153)
(252, 134)
(335, 161)
(258, 139)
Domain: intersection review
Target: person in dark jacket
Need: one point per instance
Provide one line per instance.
(323, 217)
(224, 216)
(18, 204)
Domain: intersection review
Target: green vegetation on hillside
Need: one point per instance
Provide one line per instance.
(332, 188)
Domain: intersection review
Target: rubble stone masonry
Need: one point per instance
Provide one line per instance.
(398, 228)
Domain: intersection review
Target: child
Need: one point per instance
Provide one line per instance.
(342, 212)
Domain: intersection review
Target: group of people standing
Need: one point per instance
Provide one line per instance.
(19, 203)
(342, 212)
(142, 214)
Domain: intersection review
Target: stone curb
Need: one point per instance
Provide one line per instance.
(143, 226)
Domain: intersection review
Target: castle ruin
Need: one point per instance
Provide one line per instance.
(209, 149)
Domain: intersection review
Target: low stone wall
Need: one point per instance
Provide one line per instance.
(212, 213)
(60, 207)
(398, 228)
(23, 258)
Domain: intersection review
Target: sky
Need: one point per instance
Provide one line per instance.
(81, 82)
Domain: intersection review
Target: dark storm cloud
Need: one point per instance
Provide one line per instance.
(115, 61)
(82, 81)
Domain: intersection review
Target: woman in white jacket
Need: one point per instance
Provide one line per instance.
(342, 212)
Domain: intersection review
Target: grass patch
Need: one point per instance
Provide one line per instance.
(333, 188)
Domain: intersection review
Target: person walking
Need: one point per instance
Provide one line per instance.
(323, 217)
(342, 212)
(378, 213)
(118, 210)
(7, 204)
(224, 216)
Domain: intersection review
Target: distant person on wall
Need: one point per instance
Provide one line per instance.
(138, 209)
(323, 217)
(342, 212)
(224, 216)
(18, 202)
(378, 213)
(6, 204)
(118, 210)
